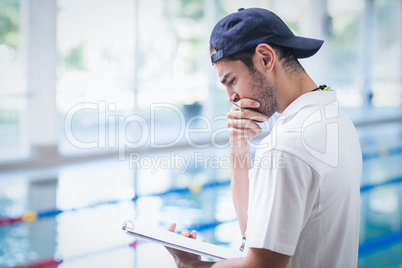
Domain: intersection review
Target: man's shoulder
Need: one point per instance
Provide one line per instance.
(313, 134)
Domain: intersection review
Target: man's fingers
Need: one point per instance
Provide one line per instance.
(248, 103)
(185, 233)
(193, 234)
(181, 256)
(244, 124)
(172, 227)
(236, 113)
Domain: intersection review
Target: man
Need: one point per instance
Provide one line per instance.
(305, 211)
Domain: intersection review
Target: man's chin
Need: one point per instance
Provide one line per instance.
(267, 113)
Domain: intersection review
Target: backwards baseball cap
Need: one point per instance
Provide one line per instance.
(247, 28)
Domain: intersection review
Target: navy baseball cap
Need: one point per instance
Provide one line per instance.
(247, 28)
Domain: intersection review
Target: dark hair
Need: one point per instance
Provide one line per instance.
(246, 57)
(286, 56)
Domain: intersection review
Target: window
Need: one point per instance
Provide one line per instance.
(95, 73)
(13, 97)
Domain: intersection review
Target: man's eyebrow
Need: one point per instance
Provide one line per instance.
(225, 77)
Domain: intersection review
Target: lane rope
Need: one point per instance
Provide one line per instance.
(375, 244)
(31, 216)
(367, 247)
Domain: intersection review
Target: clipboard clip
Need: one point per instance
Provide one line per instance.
(128, 225)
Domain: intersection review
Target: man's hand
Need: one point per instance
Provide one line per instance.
(182, 258)
(242, 124)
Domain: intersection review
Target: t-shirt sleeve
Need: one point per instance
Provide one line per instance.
(282, 192)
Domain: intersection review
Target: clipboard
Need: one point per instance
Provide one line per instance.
(177, 241)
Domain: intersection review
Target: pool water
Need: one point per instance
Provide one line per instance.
(81, 206)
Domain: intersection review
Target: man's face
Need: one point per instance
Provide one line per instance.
(240, 83)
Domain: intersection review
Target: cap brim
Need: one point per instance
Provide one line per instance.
(303, 47)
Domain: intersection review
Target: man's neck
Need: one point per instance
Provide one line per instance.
(292, 87)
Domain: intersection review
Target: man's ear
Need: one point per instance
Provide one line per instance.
(265, 56)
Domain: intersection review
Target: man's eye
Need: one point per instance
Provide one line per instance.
(232, 81)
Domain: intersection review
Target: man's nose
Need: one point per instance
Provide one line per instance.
(233, 97)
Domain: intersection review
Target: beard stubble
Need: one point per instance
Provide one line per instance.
(263, 92)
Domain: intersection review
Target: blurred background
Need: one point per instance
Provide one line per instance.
(111, 110)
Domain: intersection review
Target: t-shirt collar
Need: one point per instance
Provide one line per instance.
(323, 97)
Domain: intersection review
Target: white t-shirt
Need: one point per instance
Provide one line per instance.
(304, 195)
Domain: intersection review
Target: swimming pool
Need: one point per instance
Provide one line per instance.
(78, 209)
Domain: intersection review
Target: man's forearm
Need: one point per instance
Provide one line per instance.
(241, 163)
(242, 129)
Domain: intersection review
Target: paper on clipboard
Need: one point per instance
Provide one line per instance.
(180, 242)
